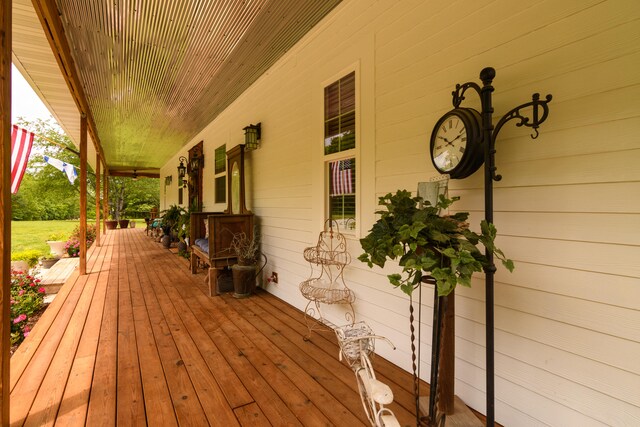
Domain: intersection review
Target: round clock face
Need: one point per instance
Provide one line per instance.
(450, 143)
(456, 143)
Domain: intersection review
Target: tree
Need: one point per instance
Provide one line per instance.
(46, 193)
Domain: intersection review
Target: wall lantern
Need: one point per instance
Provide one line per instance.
(168, 180)
(195, 164)
(251, 136)
(135, 175)
(182, 169)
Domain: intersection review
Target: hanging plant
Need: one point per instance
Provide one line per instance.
(427, 244)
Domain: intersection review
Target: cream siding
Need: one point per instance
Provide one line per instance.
(567, 209)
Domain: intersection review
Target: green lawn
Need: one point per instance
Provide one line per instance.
(34, 234)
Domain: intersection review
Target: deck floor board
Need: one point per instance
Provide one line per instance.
(137, 341)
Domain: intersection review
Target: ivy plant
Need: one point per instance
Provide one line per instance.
(425, 243)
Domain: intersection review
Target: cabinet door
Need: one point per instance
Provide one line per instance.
(224, 228)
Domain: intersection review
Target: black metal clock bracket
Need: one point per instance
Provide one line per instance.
(538, 111)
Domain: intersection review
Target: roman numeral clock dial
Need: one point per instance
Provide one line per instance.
(456, 146)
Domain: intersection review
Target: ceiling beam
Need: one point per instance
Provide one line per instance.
(131, 174)
(49, 16)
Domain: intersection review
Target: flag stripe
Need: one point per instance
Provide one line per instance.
(21, 143)
(341, 182)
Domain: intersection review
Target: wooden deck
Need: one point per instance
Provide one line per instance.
(137, 341)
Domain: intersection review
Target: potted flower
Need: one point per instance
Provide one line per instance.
(56, 243)
(427, 244)
(247, 250)
(72, 247)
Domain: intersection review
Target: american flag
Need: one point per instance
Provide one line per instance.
(341, 177)
(21, 142)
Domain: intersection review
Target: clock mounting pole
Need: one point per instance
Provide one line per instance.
(539, 113)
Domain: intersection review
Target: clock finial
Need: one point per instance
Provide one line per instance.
(487, 75)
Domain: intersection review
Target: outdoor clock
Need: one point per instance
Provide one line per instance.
(456, 143)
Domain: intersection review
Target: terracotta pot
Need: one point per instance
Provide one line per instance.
(111, 224)
(244, 280)
(123, 223)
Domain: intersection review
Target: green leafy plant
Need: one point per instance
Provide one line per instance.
(27, 297)
(30, 255)
(425, 243)
(171, 217)
(57, 237)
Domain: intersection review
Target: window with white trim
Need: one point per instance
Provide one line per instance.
(339, 150)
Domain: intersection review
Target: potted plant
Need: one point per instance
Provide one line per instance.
(24, 260)
(123, 223)
(111, 223)
(247, 250)
(425, 243)
(48, 262)
(170, 218)
(183, 228)
(56, 243)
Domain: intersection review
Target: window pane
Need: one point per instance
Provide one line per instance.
(221, 158)
(342, 188)
(221, 189)
(332, 101)
(340, 115)
(348, 93)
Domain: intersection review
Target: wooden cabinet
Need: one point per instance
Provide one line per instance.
(214, 249)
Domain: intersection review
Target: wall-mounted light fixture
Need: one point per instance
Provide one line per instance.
(196, 163)
(182, 169)
(135, 175)
(168, 180)
(252, 136)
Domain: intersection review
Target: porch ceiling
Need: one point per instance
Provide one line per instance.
(155, 73)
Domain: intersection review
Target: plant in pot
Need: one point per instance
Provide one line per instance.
(441, 249)
(56, 243)
(170, 218)
(183, 227)
(123, 223)
(427, 244)
(25, 260)
(111, 223)
(247, 250)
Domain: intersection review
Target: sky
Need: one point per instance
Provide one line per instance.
(24, 101)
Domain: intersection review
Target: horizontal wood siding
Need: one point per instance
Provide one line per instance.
(567, 210)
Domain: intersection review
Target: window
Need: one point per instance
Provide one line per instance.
(221, 189)
(339, 150)
(340, 115)
(221, 159)
(220, 180)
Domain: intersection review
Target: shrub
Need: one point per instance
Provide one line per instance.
(27, 297)
(91, 234)
(30, 255)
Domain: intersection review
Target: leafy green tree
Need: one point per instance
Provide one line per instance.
(46, 193)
